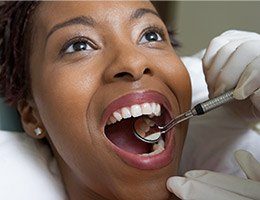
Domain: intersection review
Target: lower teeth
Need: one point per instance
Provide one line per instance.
(157, 148)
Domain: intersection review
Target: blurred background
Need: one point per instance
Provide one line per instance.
(197, 22)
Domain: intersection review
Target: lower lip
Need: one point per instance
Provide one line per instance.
(152, 162)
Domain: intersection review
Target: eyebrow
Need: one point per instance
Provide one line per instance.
(141, 12)
(89, 21)
(83, 20)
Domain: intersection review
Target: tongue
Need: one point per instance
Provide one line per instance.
(121, 134)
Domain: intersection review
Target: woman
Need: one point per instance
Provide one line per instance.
(81, 73)
(74, 70)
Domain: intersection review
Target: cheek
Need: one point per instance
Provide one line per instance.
(176, 77)
(179, 80)
(63, 97)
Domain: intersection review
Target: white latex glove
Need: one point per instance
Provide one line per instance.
(205, 185)
(232, 60)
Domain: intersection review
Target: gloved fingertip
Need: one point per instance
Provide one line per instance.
(248, 164)
(240, 154)
(174, 183)
(241, 92)
(245, 156)
(195, 173)
(247, 85)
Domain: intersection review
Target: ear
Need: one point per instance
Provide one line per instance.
(31, 119)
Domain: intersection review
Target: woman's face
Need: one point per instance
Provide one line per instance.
(93, 63)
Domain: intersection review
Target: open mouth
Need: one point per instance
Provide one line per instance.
(118, 120)
(119, 128)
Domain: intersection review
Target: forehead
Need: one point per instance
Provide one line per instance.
(50, 13)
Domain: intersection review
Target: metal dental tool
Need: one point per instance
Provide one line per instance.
(148, 131)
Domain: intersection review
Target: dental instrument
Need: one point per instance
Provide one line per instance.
(154, 132)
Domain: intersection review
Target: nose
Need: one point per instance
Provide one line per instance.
(127, 64)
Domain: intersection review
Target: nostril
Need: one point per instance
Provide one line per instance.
(147, 71)
(123, 74)
(130, 75)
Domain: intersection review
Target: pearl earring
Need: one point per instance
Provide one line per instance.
(38, 131)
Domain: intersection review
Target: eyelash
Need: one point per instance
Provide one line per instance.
(75, 40)
(155, 29)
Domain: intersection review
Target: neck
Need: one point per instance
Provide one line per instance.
(75, 188)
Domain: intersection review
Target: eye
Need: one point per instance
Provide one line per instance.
(151, 36)
(78, 46)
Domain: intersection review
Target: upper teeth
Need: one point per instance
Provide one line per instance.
(135, 110)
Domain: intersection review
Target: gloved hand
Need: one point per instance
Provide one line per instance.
(205, 185)
(232, 60)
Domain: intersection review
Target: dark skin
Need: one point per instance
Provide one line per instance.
(71, 89)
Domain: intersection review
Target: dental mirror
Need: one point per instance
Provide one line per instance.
(148, 131)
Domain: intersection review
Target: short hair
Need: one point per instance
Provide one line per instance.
(14, 49)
